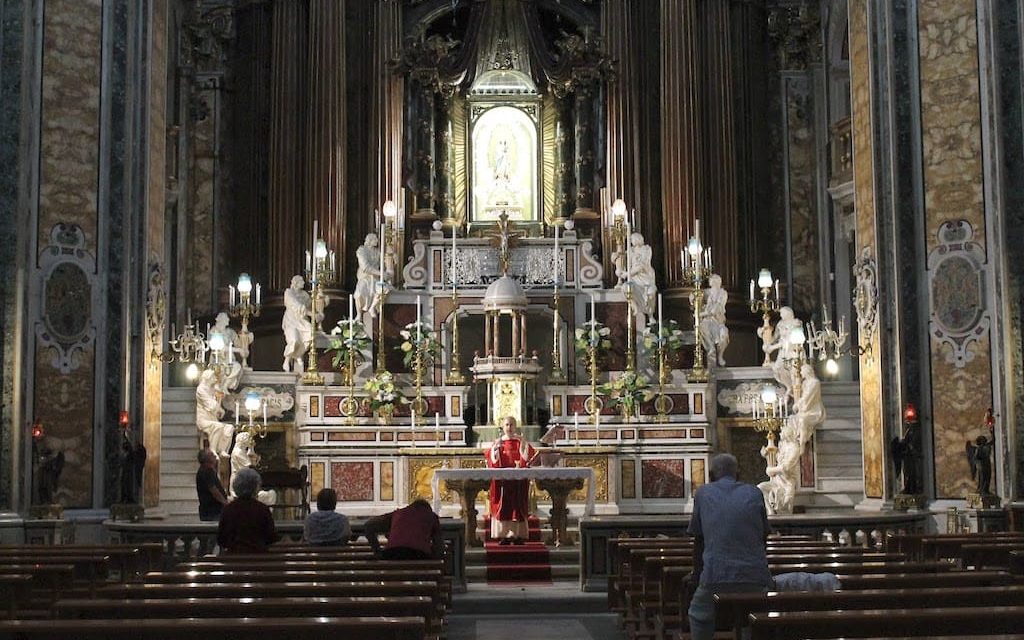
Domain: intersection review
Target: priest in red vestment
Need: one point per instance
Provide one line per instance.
(510, 498)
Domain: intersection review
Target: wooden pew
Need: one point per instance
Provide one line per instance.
(993, 555)
(298, 628)
(258, 607)
(1017, 563)
(972, 621)
(932, 546)
(15, 591)
(733, 609)
(311, 565)
(926, 580)
(48, 581)
(130, 559)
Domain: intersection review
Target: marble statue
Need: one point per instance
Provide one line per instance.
(906, 456)
(298, 330)
(368, 276)
(783, 349)
(243, 454)
(780, 488)
(809, 410)
(639, 281)
(50, 463)
(213, 385)
(131, 463)
(979, 455)
(222, 324)
(714, 333)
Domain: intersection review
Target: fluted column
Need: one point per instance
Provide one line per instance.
(287, 141)
(681, 140)
(325, 129)
(721, 210)
(385, 134)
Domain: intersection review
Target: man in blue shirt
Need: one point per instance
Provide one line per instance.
(730, 526)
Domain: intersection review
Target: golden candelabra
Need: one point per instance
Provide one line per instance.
(455, 375)
(593, 404)
(765, 305)
(696, 268)
(349, 405)
(769, 414)
(662, 404)
(320, 271)
(247, 306)
(419, 405)
(557, 374)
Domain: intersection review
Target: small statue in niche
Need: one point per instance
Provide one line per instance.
(979, 455)
(231, 338)
(368, 276)
(785, 351)
(906, 455)
(714, 333)
(638, 280)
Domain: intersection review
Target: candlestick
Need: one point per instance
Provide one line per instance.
(231, 294)
(383, 245)
(236, 413)
(777, 298)
(263, 401)
(259, 295)
(576, 426)
(412, 424)
(696, 228)
(437, 429)
(593, 310)
(454, 234)
(418, 316)
(659, 318)
(557, 259)
(752, 291)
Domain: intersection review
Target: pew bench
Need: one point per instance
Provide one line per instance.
(990, 555)
(868, 623)
(296, 628)
(733, 609)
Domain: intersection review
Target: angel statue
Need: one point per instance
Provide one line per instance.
(906, 456)
(979, 455)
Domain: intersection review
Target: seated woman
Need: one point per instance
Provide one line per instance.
(246, 524)
(325, 526)
(510, 499)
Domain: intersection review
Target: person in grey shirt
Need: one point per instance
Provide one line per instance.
(325, 526)
(730, 527)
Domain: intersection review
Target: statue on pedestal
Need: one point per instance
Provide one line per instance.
(809, 409)
(368, 277)
(906, 455)
(713, 331)
(222, 324)
(132, 461)
(785, 351)
(297, 325)
(639, 281)
(214, 384)
(243, 454)
(979, 455)
(780, 489)
(50, 464)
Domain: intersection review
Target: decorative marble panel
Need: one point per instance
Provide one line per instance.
(353, 481)
(316, 477)
(600, 466)
(387, 481)
(698, 474)
(951, 141)
(662, 479)
(627, 489)
(421, 473)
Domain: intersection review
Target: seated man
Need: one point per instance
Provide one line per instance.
(413, 532)
(325, 526)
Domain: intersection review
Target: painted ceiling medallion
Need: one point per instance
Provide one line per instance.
(956, 279)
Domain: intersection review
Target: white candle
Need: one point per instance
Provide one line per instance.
(231, 294)
(576, 426)
(628, 257)
(351, 311)
(258, 294)
(382, 245)
(418, 317)
(751, 290)
(454, 235)
(309, 263)
(777, 298)
(558, 272)
(593, 310)
(437, 428)
(231, 352)
(696, 228)
(263, 401)
(236, 413)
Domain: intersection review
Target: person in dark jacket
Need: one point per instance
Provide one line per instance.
(246, 525)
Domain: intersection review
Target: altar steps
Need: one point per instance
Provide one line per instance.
(179, 442)
(532, 562)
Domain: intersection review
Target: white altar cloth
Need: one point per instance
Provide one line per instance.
(511, 473)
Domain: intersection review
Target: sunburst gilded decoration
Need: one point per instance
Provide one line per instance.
(956, 276)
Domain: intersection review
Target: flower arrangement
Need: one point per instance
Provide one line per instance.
(670, 337)
(592, 334)
(419, 336)
(627, 392)
(348, 336)
(384, 393)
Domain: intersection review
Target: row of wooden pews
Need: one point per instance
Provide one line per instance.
(650, 589)
(293, 592)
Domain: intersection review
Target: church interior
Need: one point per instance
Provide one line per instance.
(355, 244)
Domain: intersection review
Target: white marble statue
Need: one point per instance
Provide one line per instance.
(222, 324)
(639, 282)
(213, 385)
(298, 330)
(780, 488)
(368, 276)
(783, 349)
(714, 334)
(809, 410)
(243, 455)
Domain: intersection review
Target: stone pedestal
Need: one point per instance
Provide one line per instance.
(49, 531)
(127, 512)
(906, 501)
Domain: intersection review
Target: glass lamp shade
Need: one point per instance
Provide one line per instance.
(797, 336)
(216, 341)
(321, 249)
(831, 367)
(253, 401)
(693, 247)
(769, 396)
(192, 372)
(619, 209)
(389, 209)
(244, 283)
(764, 279)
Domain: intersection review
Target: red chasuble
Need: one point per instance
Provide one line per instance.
(510, 498)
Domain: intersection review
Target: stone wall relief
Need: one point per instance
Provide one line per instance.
(156, 311)
(67, 269)
(865, 298)
(956, 282)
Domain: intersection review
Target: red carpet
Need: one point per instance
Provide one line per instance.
(517, 562)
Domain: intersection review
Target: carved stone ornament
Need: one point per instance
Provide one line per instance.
(591, 269)
(156, 309)
(956, 280)
(66, 328)
(278, 403)
(739, 400)
(206, 32)
(865, 297)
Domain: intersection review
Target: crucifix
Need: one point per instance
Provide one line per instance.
(504, 238)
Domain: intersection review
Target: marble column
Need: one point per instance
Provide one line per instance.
(385, 132)
(682, 141)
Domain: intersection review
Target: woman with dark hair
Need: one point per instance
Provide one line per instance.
(325, 526)
(246, 524)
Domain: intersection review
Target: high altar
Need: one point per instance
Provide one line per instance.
(643, 463)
